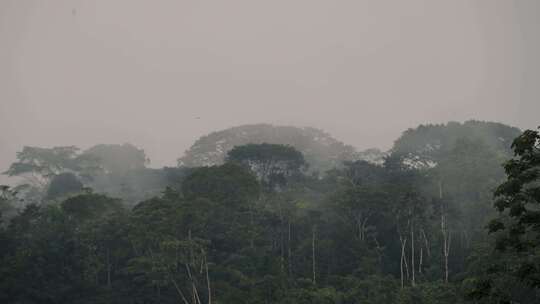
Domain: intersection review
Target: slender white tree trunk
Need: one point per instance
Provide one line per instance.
(314, 263)
(208, 282)
(428, 250)
(108, 268)
(413, 281)
(445, 233)
(421, 260)
(403, 242)
(289, 250)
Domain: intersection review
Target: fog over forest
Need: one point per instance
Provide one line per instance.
(83, 73)
(257, 152)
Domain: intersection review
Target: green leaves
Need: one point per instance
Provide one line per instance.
(116, 159)
(429, 144)
(495, 225)
(518, 226)
(526, 144)
(347, 237)
(272, 164)
(90, 206)
(322, 151)
(44, 161)
(226, 183)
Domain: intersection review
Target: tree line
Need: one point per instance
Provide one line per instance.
(439, 221)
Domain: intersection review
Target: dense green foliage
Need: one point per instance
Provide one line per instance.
(118, 159)
(427, 144)
(260, 228)
(117, 170)
(512, 272)
(272, 164)
(62, 185)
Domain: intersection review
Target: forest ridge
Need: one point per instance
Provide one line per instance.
(274, 214)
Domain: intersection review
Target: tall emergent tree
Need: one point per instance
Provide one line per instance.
(518, 200)
(511, 272)
(272, 164)
(118, 159)
(39, 165)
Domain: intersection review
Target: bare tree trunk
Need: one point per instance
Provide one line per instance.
(314, 264)
(108, 268)
(401, 268)
(421, 260)
(289, 250)
(406, 265)
(178, 290)
(440, 189)
(379, 250)
(208, 282)
(413, 281)
(403, 241)
(428, 250)
(282, 249)
(195, 292)
(252, 234)
(357, 228)
(466, 237)
(194, 295)
(446, 254)
(364, 225)
(445, 233)
(134, 248)
(191, 254)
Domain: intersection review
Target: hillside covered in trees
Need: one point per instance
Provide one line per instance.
(321, 151)
(269, 214)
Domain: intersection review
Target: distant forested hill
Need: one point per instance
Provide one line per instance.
(321, 150)
(429, 143)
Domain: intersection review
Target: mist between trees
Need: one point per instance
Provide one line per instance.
(275, 214)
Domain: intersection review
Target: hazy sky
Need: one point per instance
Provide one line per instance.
(87, 72)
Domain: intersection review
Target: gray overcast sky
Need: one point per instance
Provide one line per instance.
(107, 71)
